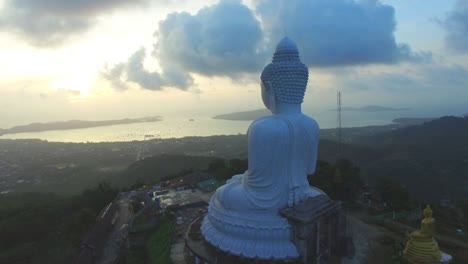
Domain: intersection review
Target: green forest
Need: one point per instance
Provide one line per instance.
(407, 166)
(47, 228)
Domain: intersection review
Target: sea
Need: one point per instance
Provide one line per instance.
(196, 125)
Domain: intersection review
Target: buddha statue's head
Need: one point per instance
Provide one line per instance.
(284, 80)
(427, 212)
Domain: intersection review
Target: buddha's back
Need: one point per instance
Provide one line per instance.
(243, 216)
(282, 152)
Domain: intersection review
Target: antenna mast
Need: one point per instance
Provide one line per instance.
(338, 103)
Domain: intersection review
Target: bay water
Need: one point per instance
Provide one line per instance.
(196, 125)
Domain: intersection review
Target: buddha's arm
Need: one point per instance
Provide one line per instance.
(313, 162)
(314, 149)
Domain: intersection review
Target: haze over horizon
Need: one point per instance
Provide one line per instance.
(98, 60)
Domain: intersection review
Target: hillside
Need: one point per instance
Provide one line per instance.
(154, 169)
(448, 130)
(373, 108)
(431, 159)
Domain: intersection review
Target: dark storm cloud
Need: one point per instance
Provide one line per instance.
(220, 40)
(70, 7)
(337, 32)
(223, 39)
(51, 22)
(456, 25)
(133, 71)
(227, 39)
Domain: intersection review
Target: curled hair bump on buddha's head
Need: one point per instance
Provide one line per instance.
(286, 74)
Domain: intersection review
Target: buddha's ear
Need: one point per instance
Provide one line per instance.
(272, 99)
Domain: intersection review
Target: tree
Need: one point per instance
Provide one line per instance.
(219, 169)
(393, 194)
(340, 181)
(237, 166)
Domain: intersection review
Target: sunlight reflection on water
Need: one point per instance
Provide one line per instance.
(205, 126)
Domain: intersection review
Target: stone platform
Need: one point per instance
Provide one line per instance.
(200, 251)
(318, 231)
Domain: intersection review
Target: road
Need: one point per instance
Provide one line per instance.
(118, 236)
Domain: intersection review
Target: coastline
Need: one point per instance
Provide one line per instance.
(74, 124)
(325, 133)
(205, 126)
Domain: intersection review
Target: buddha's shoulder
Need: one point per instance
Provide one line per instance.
(269, 122)
(310, 123)
(281, 123)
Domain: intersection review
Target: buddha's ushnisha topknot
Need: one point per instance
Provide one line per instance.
(286, 74)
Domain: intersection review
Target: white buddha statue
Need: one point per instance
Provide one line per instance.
(243, 216)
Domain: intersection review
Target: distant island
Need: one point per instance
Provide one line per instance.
(244, 116)
(372, 108)
(75, 124)
(254, 114)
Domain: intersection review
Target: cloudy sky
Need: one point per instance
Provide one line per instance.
(104, 59)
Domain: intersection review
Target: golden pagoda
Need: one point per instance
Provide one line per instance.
(421, 247)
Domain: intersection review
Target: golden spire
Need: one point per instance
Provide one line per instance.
(421, 246)
(427, 212)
